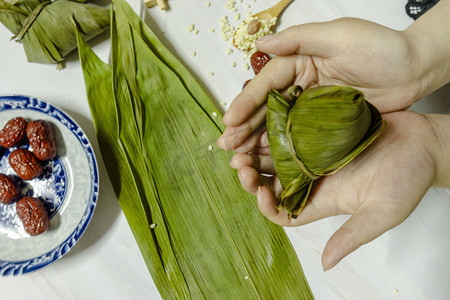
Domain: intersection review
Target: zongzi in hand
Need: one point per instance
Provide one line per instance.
(315, 133)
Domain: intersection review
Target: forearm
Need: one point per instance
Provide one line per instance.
(440, 148)
(430, 37)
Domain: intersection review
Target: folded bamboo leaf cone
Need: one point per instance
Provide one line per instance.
(315, 133)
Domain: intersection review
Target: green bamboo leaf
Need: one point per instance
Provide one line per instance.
(99, 85)
(339, 115)
(206, 227)
(188, 81)
(171, 279)
(30, 19)
(296, 185)
(14, 15)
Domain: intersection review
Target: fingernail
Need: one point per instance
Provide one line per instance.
(264, 141)
(240, 175)
(342, 243)
(263, 39)
(259, 194)
(329, 266)
(220, 142)
(225, 118)
(231, 161)
(330, 260)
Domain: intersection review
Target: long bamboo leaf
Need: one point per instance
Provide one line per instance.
(105, 116)
(210, 239)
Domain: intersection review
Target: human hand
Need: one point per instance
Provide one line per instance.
(380, 188)
(378, 61)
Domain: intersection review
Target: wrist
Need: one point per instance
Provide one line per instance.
(440, 148)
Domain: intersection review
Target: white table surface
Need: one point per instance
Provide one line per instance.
(411, 261)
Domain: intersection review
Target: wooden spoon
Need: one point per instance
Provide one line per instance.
(268, 14)
(274, 11)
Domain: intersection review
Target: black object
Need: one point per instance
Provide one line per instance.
(416, 8)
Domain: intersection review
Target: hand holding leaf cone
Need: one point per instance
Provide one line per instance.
(315, 133)
(46, 28)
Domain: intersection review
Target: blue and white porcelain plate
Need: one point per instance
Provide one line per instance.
(68, 188)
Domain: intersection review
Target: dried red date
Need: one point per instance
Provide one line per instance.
(258, 60)
(9, 189)
(13, 132)
(42, 139)
(32, 213)
(25, 164)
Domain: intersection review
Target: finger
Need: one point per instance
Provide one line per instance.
(233, 137)
(315, 39)
(261, 150)
(277, 74)
(262, 147)
(250, 179)
(251, 141)
(360, 229)
(267, 204)
(263, 140)
(262, 163)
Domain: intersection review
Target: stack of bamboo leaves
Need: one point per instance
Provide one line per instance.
(45, 27)
(201, 235)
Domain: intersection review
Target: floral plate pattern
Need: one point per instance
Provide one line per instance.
(68, 188)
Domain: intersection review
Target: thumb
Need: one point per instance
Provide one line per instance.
(315, 39)
(360, 229)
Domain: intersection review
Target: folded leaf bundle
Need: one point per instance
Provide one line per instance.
(46, 29)
(200, 234)
(315, 133)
